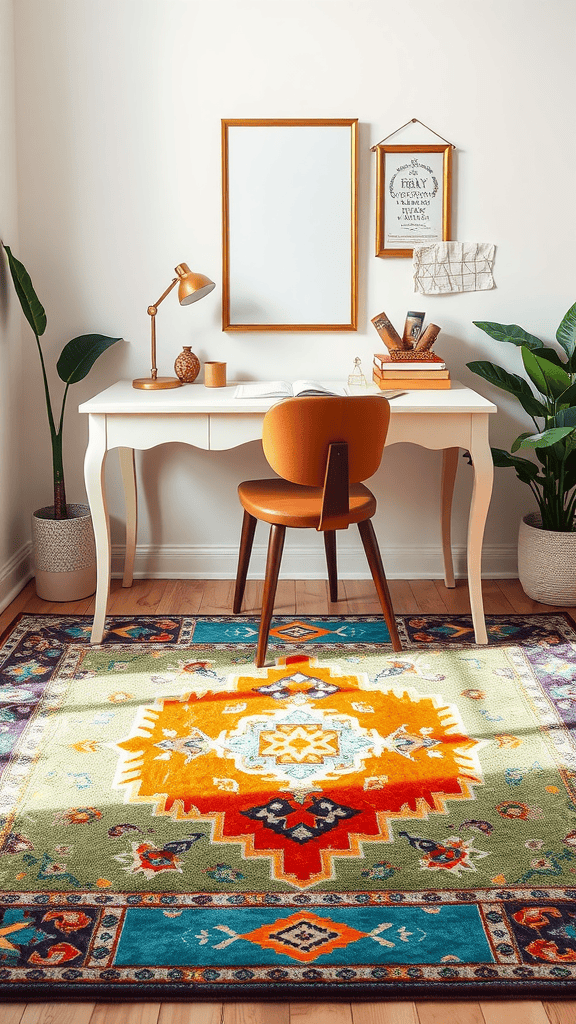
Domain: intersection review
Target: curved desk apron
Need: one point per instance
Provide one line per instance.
(211, 418)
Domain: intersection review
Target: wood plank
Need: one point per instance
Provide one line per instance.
(123, 1013)
(28, 600)
(217, 597)
(521, 603)
(361, 597)
(428, 599)
(285, 603)
(35, 605)
(495, 601)
(403, 600)
(56, 1013)
(312, 597)
(252, 603)
(190, 1013)
(142, 598)
(64, 607)
(12, 1012)
(456, 599)
(391, 1012)
(256, 1013)
(320, 1013)
(451, 1013)
(521, 1011)
(181, 597)
(560, 1013)
(19, 604)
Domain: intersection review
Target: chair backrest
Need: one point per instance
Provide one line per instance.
(298, 432)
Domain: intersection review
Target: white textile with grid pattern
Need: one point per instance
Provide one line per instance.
(453, 267)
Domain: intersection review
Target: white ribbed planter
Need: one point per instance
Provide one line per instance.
(547, 563)
(64, 554)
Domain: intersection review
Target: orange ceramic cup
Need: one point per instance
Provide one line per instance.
(215, 375)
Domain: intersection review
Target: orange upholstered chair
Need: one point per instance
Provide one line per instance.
(322, 448)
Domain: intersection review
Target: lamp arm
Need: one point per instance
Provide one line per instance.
(163, 296)
(152, 310)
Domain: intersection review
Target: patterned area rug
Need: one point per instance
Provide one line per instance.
(348, 823)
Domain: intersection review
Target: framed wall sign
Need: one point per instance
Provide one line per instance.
(289, 214)
(413, 188)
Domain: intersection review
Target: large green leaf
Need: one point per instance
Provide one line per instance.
(551, 355)
(525, 469)
(568, 397)
(516, 444)
(549, 379)
(566, 333)
(570, 471)
(509, 382)
(546, 438)
(565, 418)
(79, 355)
(31, 306)
(509, 332)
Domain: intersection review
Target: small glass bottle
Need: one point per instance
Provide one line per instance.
(357, 377)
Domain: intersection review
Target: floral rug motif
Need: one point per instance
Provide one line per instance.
(347, 822)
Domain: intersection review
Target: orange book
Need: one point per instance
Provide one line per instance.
(390, 370)
(407, 383)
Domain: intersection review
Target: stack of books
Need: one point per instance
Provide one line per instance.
(411, 374)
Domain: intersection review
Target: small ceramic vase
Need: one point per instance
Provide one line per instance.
(187, 365)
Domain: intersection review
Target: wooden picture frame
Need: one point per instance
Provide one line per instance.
(413, 197)
(289, 224)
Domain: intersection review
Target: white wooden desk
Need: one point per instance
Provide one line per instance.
(212, 418)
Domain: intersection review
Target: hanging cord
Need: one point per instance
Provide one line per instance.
(412, 120)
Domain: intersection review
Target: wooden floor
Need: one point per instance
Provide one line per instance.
(214, 597)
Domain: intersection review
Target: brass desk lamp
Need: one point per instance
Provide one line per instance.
(190, 288)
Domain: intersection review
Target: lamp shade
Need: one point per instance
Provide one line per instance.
(192, 286)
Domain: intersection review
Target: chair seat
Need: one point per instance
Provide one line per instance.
(286, 504)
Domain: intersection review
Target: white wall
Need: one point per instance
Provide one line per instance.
(119, 106)
(14, 526)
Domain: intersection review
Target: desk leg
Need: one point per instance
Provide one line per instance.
(481, 494)
(128, 471)
(449, 467)
(94, 464)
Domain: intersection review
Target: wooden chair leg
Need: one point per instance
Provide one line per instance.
(275, 548)
(330, 546)
(377, 569)
(246, 541)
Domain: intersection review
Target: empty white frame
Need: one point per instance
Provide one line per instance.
(289, 225)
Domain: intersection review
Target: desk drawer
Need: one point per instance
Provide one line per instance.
(146, 430)
(228, 430)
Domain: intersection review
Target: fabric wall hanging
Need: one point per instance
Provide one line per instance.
(453, 267)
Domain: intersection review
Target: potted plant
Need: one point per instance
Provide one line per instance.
(547, 538)
(63, 539)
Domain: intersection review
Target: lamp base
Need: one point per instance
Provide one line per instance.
(158, 384)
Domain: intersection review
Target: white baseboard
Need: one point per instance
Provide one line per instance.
(219, 563)
(14, 574)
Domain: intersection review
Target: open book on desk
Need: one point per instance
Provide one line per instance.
(297, 389)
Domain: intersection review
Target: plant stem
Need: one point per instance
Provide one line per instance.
(60, 509)
(46, 389)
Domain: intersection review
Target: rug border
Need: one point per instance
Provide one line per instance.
(324, 992)
(250, 615)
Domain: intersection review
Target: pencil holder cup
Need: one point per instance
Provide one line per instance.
(215, 375)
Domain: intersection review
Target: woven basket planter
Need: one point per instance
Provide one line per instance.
(64, 554)
(547, 563)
